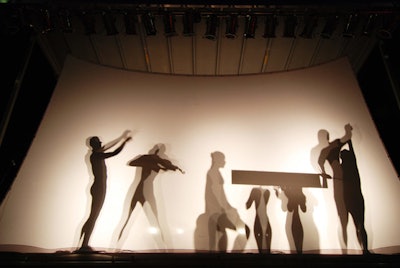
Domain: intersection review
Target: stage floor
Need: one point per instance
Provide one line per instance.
(246, 260)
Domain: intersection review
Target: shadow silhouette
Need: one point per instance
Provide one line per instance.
(311, 234)
(331, 154)
(323, 142)
(353, 197)
(262, 226)
(98, 156)
(150, 164)
(294, 229)
(219, 216)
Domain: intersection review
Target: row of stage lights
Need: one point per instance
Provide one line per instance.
(386, 23)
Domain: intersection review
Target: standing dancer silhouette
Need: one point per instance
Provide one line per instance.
(262, 226)
(353, 196)
(98, 189)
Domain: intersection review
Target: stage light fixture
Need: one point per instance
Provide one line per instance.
(389, 25)
(270, 26)
(330, 26)
(188, 23)
(65, 21)
(149, 24)
(109, 23)
(351, 25)
(190, 17)
(197, 16)
(250, 26)
(231, 26)
(130, 23)
(311, 23)
(169, 24)
(88, 23)
(12, 20)
(47, 21)
(290, 26)
(370, 24)
(211, 27)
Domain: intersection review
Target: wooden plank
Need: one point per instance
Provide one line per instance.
(276, 178)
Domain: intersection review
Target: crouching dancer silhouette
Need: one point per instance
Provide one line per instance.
(222, 215)
(98, 190)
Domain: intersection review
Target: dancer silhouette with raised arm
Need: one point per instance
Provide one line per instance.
(98, 189)
(151, 165)
(262, 226)
(331, 154)
(353, 196)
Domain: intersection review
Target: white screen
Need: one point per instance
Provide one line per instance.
(266, 122)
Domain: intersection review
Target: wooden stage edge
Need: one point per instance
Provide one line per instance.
(195, 259)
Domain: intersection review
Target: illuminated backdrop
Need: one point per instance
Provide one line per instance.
(258, 122)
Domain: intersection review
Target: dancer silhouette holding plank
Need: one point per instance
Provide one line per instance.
(331, 154)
